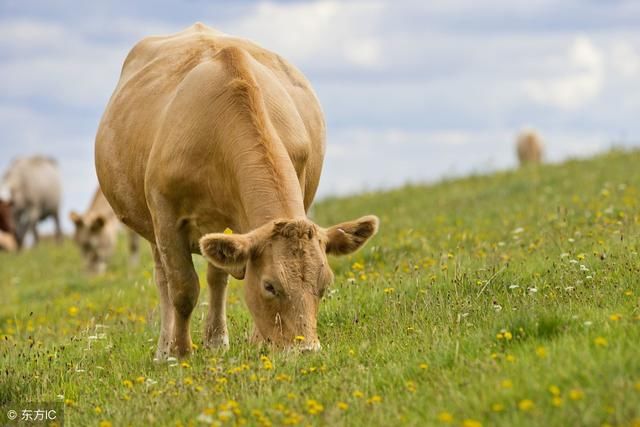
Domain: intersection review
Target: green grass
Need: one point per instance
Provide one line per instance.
(476, 297)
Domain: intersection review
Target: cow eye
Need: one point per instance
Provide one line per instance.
(270, 289)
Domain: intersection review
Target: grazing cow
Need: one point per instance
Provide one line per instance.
(529, 147)
(34, 188)
(206, 132)
(97, 234)
(7, 230)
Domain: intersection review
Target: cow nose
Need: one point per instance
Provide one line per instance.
(311, 347)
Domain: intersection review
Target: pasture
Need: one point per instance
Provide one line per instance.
(502, 300)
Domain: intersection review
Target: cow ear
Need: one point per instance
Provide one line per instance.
(98, 223)
(76, 218)
(228, 252)
(348, 237)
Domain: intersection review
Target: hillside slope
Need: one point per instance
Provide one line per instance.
(509, 299)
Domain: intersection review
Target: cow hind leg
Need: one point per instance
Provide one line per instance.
(215, 332)
(56, 222)
(134, 247)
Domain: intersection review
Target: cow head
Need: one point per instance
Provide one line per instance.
(284, 264)
(96, 236)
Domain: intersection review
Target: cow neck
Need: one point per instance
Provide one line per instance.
(269, 190)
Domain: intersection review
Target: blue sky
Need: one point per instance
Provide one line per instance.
(412, 90)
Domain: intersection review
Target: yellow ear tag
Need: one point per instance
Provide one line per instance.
(228, 231)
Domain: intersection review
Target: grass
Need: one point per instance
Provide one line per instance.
(502, 300)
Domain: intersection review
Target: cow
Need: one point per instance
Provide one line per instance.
(207, 132)
(7, 230)
(96, 234)
(34, 188)
(529, 147)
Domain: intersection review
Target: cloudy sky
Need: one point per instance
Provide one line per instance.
(412, 90)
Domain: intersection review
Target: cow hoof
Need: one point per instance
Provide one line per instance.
(217, 343)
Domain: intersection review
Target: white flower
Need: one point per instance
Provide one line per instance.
(583, 267)
(573, 261)
(588, 323)
(518, 230)
(513, 286)
(564, 254)
(533, 290)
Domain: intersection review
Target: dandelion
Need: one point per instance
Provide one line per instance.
(541, 352)
(73, 311)
(554, 390)
(411, 386)
(510, 358)
(358, 394)
(389, 290)
(471, 423)
(105, 423)
(506, 384)
(188, 381)
(140, 379)
(185, 365)
(497, 407)
(556, 401)
(343, 406)
(423, 366)
(600, 342)
(525, 405)
(266, 363)
(445, 417)
(576, 394)
(127, 384)
(637, 386)
(375, 399)
(314, 407)
(283, 378)
(228, 231)
(97, 410)
(615, 317)
(299, 338)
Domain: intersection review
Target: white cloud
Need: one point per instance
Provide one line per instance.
(581, 83)
(324, 34)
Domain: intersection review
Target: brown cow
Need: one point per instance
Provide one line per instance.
(97, 234)
(7, 229)
(529, 148)
(206, 131)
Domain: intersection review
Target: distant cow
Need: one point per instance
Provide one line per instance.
(529, 147)
(206, 131)
(97, 232)
(34, 188)
(7, 229)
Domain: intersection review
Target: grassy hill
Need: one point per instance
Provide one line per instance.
(503, 300)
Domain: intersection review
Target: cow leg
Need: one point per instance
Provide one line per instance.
(166, 310)
(134, 247)
(183, 283)
(215, 332)
(56, 222)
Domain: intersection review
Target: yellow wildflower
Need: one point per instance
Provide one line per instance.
(127, 383)
(497, 407)
(97, 410)
(358, 394)
(471, 423)
(185, 365)
(541, 352)
(556, 401)
(374, 399)
(343, 406)
(423, 366)
(600, 342)
(73, 311)
(615, 317)
(314, 407)
(105, 423)
(140, 379)
(506, 384)
(228, 231)
(554, 390)
(576, 394)
(445, 417)
(525, 405)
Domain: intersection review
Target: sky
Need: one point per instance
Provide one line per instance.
(413, 91)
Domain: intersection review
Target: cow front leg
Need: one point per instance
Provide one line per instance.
(215, 332)
(166, 310)
(183, 288)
